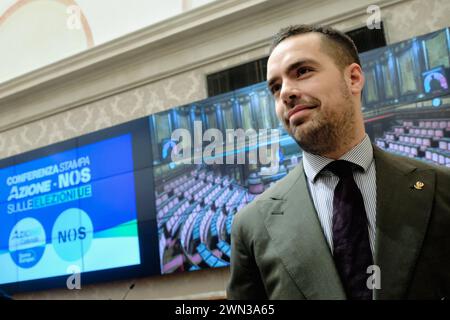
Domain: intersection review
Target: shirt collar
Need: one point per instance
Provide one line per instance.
(361, 154)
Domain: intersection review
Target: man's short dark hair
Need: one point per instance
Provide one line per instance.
(336, 44)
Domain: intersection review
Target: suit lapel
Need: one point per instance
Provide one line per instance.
(402, 219)
(295, 231)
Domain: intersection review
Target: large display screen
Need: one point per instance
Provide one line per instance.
(78, 207)
(62, 211)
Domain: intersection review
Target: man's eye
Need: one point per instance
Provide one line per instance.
(275, 88)
(302, 71)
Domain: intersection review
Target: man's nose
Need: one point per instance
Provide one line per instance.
(289, 94)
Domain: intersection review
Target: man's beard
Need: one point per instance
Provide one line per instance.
(329, 129)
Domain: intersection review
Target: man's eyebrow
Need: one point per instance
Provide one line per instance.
(293, 66)
(271, 82)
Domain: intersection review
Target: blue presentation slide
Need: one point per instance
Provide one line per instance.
(70, 212)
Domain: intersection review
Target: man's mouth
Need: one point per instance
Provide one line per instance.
(301, 108)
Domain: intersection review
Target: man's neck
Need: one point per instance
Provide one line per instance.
(343, 149)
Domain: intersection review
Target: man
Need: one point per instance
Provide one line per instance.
(370, 225)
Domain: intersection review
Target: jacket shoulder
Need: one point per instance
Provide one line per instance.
(412, 162)
(250, 212)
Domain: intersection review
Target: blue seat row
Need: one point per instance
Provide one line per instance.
(209, 258)
(224, 247)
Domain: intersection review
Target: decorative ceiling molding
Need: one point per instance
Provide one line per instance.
(209, 34)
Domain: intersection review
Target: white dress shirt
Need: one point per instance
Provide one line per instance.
(322, 183)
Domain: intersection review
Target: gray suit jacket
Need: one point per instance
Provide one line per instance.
(279, 250)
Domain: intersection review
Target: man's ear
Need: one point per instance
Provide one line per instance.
(356, 78)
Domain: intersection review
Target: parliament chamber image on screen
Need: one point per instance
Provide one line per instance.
(195, 204)
(111, 201)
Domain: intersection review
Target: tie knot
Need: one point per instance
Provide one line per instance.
(342, 168)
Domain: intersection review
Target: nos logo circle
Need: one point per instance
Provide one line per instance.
(72, 234)
(27, 242)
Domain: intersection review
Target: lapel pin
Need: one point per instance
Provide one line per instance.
(419, 185)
